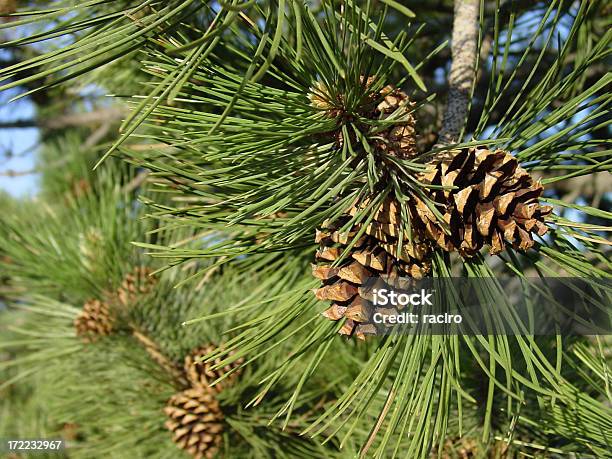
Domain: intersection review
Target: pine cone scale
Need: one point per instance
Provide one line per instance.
(341, 291)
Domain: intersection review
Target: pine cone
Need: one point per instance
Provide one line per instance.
(135, 284)
(95, 320)
(495, 202)
(398, 140)
(196, 422)
(202, 374)
(372, 262)
(463, 448)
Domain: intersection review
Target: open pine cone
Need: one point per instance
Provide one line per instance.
(495, 202)
(135, 284)
(196, 421)
(94, 321)
(202, 374)
(372, 260)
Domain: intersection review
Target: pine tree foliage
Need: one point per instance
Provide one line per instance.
(257, 176)
(270, 132)
(124, 377)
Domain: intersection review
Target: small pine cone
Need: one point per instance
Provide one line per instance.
(135, 284)
(196, 421)
(318, 97)
(495, 202)
(95, 320)
(202, 374)
(400, 139)
(372, 262)
(468, 448)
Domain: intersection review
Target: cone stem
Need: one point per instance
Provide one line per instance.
(157, 356)
(462, 72)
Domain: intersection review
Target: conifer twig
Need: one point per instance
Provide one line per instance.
(461, 78)
(381, 418)
(158, 357)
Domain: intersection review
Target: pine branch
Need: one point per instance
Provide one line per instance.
(158, 357)
(103, 115)
(464, 45)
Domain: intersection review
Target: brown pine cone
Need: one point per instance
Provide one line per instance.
(400, 139)
(196, 421)
(94, 321)
(202, 374)
(135, 284)
(495, 202)
(372, 262)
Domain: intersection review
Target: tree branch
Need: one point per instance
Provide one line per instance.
(103, 115)
(462, 72)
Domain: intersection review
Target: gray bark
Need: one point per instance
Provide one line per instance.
(463, 47)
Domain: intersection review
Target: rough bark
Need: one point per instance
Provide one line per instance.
(464, 47)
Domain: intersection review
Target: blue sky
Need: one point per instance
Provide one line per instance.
(19, 142)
